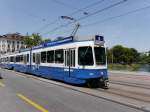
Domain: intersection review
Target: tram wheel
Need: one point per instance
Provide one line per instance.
(92, 84)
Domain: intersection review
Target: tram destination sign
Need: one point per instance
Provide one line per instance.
(99, 40)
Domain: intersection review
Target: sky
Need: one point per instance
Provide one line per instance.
(43, 17)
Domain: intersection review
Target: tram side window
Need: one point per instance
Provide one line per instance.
(100, 56)
(33, 57)
(11, 59)
(50, 56)
(37, 58)
(27, 57)
(43, 57)
(17, 58)
(59, 56)
(14, 60)
(85, 56)
(7, 59)
(21, 58)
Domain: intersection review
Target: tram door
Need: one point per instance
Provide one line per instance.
(69, 62)
(37, 60)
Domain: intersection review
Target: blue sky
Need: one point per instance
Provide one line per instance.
(32, 15)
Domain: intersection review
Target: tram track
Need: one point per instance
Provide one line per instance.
(128, 94)
(144, 86)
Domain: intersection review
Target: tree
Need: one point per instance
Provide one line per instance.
(144, 59)
(33, 40)
(46, 40)
(123, 55)
(37, 39)
(59, 38)
(28, 41)
(117, 52)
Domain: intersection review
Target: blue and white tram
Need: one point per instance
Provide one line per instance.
(76, 62)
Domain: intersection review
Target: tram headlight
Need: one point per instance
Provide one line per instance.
(102, 73)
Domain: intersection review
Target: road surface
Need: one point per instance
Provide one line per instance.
(22, 94)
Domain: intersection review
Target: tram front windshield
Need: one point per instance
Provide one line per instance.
(100, 56)
(85, 56)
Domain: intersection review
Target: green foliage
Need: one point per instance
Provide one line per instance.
(59, 38)
(145, 59)
(34, 39)
(37, 39)
(132, 67)
(122, 55)
(46, 40)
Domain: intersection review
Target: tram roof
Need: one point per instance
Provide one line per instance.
(65, 41)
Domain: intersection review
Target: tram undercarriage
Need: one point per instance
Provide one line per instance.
(98, 82)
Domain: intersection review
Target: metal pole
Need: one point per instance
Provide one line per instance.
(112, 58)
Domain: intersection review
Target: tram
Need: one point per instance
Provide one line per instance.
(68, 60)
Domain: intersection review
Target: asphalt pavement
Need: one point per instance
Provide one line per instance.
(22, 94)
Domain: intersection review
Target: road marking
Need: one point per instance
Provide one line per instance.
(35, 105)
(1, 84)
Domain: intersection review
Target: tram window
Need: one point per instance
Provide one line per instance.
(43, 57)
(17, 58)
(50, 56)
(21, 58)
(38, 58)
(14, 60)
(85, 56)
(100, 56)
(59, 56)
(27, 57)
(73, 57)
(33, 57)
(11, 59)
(7, 59)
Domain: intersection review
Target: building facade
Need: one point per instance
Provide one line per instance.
(11, 43)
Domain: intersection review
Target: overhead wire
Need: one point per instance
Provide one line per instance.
(65, 4)
(84, 17)
(118, 16)
(75, 12)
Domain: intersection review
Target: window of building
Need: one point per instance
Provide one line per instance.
(59, 56)
(50, 56)
(18, 45)
(43, 57)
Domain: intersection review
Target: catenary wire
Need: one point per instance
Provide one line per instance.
(84, 17)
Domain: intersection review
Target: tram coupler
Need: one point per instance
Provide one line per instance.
(104, 83)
